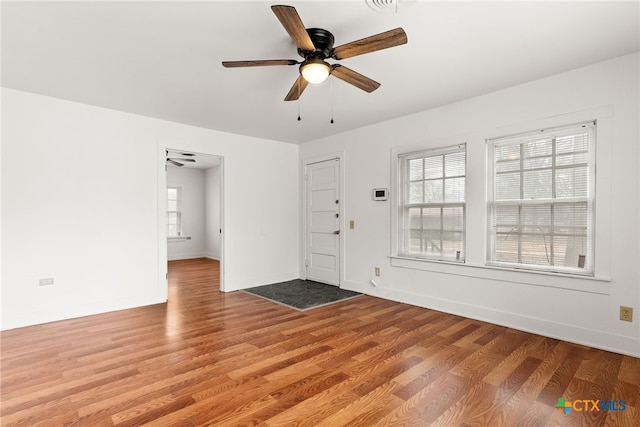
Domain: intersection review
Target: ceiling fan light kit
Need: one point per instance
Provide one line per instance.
(315, 45)
(315, 70)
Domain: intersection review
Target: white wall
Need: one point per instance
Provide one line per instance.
(213, 200)
(68, 213)
(86, 208)
(193, 212)
(574, 309)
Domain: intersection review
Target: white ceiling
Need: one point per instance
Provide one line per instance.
(162, 59)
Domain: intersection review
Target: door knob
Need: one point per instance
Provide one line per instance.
(336, 232)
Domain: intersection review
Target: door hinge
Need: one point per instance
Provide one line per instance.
(306, 263)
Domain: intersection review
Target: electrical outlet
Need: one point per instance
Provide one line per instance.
(46, 281)
(626, 313)
(352, 224)
(377, 271)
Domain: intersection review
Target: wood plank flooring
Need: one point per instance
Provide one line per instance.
(208, 358)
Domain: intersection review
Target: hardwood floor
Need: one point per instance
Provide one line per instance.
(210, 358)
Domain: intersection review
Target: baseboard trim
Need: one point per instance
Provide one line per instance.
(250, 282)
(178, 257)
(20, 320)
(593, 338)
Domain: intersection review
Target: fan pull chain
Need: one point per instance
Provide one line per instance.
(299, 100)
(331, 97)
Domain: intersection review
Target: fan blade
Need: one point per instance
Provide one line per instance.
(258, 63)
(182, 160)
(354, 78)
(291, 22)
(296, 90)
(174, 163)
(380, 41)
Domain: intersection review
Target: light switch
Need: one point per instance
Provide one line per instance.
(352, 224)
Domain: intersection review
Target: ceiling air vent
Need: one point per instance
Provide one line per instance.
(388, 6)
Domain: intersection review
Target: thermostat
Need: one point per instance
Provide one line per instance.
(380, 193)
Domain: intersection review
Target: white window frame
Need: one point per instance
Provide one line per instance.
(522, 203)
(402, 203)
(178, 212)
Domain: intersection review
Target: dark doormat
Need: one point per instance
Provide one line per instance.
(302, 294)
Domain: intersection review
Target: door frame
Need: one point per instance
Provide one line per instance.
(163, 282)
(340, 155)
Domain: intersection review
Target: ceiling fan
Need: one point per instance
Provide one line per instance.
(315, 45)
(176, 161)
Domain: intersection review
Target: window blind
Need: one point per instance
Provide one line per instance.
(432, 205)
(541, 199)
(174, 226)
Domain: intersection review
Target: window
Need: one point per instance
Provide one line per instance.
(432, 204)
(540, 200)
(174, 225)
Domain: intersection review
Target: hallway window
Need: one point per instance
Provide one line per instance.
(432, 204)
(174, 225)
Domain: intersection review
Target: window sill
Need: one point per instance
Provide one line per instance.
(591, 284)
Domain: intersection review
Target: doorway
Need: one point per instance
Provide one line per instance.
(322, 221)
(192, 209)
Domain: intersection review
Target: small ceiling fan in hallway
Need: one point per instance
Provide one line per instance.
(315, 45)
(177, 161)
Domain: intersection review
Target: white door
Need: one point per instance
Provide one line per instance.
(323, 221)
